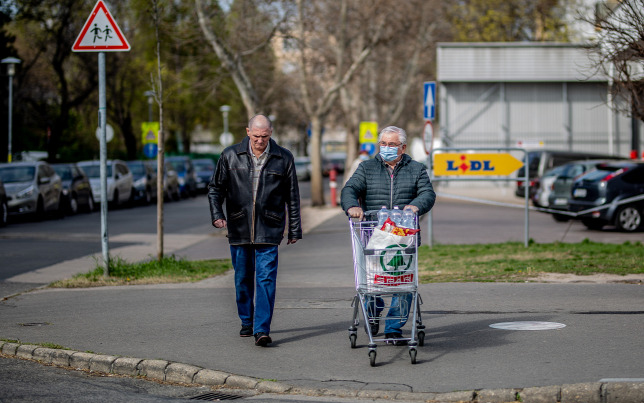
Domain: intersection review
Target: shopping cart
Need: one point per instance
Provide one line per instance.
(382, 277)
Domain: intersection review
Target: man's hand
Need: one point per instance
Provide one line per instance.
(412, 208)
(356, 212)
(221, 223)
(290, 241)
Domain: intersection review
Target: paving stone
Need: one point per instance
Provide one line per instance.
(176, 372)
(210, 377)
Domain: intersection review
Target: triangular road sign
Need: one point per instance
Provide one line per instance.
(100, 33)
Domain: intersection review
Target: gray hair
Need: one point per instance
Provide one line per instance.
(261, 122)
(402, 134)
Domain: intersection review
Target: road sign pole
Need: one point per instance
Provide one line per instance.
(102, 124)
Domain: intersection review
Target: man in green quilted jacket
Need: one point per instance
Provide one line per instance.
(390, 179)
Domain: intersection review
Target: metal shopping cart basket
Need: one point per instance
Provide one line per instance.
(384, 277)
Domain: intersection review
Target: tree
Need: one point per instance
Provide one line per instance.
(509, 20)
(403, 59)
(620, 53)
(251, 32)
(60, 84)
(325, 66)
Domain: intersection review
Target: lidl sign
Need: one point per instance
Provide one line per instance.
(465, 164)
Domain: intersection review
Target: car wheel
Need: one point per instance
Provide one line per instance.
(115, 199)
(148, 196)
(628, 219)
(177, 194)
(592, 224)
(90, 203)
(40, 210)
(560, 217)
(73, 204)
(4, 213)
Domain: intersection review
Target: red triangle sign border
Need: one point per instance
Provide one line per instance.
(124, 46)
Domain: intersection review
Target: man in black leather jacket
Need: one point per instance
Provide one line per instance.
(256, 179)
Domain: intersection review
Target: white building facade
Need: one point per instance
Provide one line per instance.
(526, 94)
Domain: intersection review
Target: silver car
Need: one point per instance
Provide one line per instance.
(119, 181)
(32, 187)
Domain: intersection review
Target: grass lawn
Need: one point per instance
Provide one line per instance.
(512, 261)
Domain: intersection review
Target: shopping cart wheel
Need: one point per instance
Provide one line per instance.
(421, 338)
(412, 354)
(352, 338)
(372, 358)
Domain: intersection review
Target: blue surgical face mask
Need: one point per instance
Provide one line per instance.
(389, 153)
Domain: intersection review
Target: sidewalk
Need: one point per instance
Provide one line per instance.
(189, 332)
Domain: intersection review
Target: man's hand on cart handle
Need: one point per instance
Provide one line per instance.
(220, 223)
(356, 212)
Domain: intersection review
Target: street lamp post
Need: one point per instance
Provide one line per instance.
(150, 96)
(11, 70)
(226, 138)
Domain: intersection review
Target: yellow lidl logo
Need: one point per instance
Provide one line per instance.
(491, 164)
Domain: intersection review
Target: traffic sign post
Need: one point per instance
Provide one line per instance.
(429, 100)
(428, 137)
(101, 34)
(368, 136)
(467, 164)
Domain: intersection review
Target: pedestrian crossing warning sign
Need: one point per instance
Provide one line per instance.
(100, 33)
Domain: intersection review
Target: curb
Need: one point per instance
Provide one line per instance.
(161, 370)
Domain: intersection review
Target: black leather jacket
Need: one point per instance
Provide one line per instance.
(278, 194)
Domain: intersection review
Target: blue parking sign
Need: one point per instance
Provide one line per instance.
(429, 100)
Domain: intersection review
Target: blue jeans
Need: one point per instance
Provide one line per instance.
(255, 280)
(391, 325)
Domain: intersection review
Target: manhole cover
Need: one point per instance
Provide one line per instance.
(35, 324)
(216, 396)
(527, 325)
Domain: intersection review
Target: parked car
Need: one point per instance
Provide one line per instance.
(33, 188)
(562, 183)
(204, 168)
(77, 189)
(544, 187)
(539, 161)
(609, 187)
(333, 161)
(119, 181)
(145, 181)
(186, 173)
(170, 181)
(4, 208)
(303, 168)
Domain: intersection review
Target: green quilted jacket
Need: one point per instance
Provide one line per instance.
(372, 187)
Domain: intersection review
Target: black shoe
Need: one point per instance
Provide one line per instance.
(246, 331)
(262, 339)
(396, 336)
(375, 325)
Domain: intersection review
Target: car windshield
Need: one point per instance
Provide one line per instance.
(599, 173)
(94, 171)
(64, 172)
(137, 169)
(534, 157)
(555, 172)
(178, 166)
(17, 174)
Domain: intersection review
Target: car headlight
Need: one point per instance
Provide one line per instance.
(140, 183)
(26, 193)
